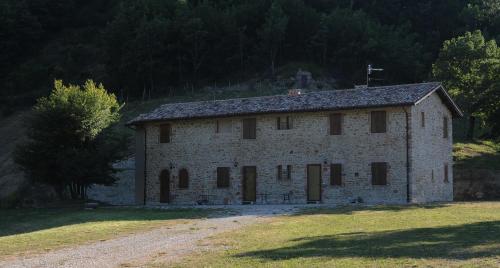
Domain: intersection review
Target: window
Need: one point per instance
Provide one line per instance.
(422, 119)
(165, 133)
(223, 177)
(335, 124)
(379, 173)
(445, 127)
(223, 126)
(183, 179)
(336, 174)
(284, 175)
(283, 122)
(446, 172)
(249, 128)
(378, 122)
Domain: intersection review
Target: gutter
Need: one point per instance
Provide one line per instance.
(145, 163)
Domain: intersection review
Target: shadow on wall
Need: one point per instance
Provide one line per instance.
(453, 242)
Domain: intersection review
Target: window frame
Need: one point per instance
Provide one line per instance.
(288, 124)
(445, 127)
(183, 179)
(249, 134)
(377, 171)
(336, 121)
(220, 179)
(378, 126)
(162, 136)
(336, 181)
(446, 174)
(422, 119)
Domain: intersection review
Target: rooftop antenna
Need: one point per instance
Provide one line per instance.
(369, 71)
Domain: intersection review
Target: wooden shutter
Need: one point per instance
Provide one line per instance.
(165, 133)
(278, 123)
(445, 127)
(378, 122)
(335, 124)
(289, 172)
(279, 174)
(422, 118)
(379, 173)
(446, 172)
(336, 174)
(222, 177)
(183, 178)
(249, 128)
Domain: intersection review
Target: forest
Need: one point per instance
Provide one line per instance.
(137, 46)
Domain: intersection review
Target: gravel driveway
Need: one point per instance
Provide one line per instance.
(169, 243)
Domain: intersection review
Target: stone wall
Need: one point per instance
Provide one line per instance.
(476, 184)
(195, 146)
(123, 192)
(429, 152)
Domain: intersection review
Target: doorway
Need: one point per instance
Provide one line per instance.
(249, 184)
(313, 183)
(165, 186)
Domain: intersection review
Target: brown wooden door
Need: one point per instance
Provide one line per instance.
(165, 186)
(313, 183)
(249, 184)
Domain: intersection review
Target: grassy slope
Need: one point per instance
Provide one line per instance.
(477, 154)
(413, 236)
(24, 231)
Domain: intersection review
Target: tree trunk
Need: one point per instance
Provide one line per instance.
(470, 129)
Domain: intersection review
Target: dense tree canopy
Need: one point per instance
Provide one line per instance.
(70, 145)
(141, 47)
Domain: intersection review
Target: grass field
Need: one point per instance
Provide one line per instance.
(460, 234)
(24, 231)
(478, 154)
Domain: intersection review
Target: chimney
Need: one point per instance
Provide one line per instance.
(294, 92)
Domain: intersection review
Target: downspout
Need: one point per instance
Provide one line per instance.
(408, 195)
(145, 163)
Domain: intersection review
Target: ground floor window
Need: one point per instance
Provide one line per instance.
(222, 177)
(183, 179)
(379, 173)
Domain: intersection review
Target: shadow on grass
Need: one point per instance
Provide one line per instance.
(18, 221)
(452, 242)
(353, 209)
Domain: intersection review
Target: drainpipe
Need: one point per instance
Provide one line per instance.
(408, 195)
(145, 163)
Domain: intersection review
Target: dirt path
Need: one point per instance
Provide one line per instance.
(170, 244)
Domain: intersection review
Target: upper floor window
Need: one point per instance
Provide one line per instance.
(379, 173)
(165, 130)
(378, 122)
(283, 122)
(445, 127)
(249, 128)
(422, 119)
(222, 177)
(223, 126)
(284, 174)
(183, 179)
(336, 174)
(335, 124)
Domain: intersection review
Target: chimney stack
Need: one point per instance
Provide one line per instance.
(295, 92)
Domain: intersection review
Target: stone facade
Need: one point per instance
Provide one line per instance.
(197, 147)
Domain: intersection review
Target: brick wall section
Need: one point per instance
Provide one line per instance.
(196, 147)
(429, 152)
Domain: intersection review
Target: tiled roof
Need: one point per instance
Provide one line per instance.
(397, 95)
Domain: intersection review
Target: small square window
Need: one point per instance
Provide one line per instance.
(165, 130)
(378, 122)
(283, 122)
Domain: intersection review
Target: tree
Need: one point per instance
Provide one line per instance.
(468, 66)
(71, 146)
(272, 33)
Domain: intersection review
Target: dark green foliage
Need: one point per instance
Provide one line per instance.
(145, 48)
(70, 143)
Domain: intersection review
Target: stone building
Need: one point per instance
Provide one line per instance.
(390, 144)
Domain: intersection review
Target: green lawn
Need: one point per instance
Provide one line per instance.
(24, 231)
(459, 234)
(477, 154)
